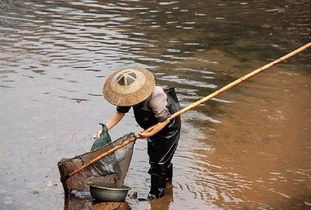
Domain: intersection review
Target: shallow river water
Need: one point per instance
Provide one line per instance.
(246, 149)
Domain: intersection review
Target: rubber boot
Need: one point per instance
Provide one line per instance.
(157, 187)
(169, 173)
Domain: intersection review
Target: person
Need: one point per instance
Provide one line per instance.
(135, 87)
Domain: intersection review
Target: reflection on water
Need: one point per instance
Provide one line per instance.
(246, 149)
(86, 202)
(270, 158)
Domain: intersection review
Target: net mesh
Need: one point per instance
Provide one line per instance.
(110, 171)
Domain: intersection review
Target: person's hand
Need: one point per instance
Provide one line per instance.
(96, 135)
(152, 130)
(143, 134)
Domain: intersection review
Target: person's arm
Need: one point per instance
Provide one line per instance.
(153, 130)
(116, 117)
(114, 120)
(158, 105)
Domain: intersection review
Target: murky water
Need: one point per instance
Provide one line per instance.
(247, 149)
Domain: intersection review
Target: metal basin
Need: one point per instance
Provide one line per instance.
(108, 194)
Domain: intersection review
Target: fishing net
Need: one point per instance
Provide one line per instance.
(110, 171)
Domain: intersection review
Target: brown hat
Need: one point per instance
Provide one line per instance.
(129, 86)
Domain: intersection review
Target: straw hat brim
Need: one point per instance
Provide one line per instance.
(140, 88)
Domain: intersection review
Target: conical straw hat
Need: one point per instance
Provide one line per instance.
(129, 86)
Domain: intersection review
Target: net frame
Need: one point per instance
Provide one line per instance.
(83, 179)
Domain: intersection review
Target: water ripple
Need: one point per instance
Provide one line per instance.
(55, 56)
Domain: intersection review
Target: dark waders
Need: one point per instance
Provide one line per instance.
(162, 146)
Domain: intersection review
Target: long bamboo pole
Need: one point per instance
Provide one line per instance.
(240, 80)
(195, 104)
